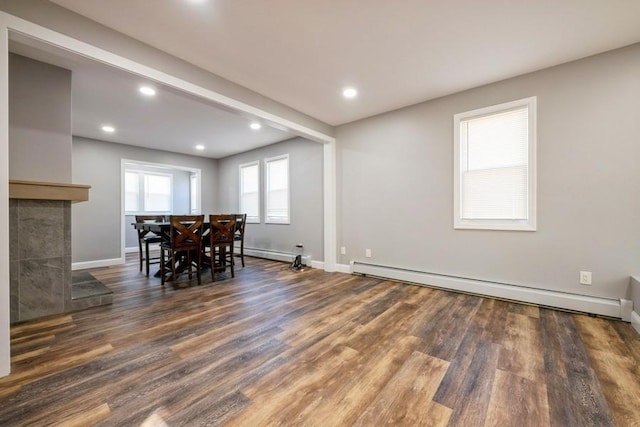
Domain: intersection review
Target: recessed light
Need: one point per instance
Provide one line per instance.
(349, 92)
(199, 147)
(147, 90)
(108, 128)
(255, 125)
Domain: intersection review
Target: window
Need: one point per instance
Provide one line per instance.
(277, 190)
(494, 180)
(193, 194)
(250, 191)
(131, 192)
(147, 192)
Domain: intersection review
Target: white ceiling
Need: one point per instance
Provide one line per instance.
(302, 53)
(171, 120)
(397, 53)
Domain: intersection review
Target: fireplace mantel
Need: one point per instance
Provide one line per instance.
(48, 191)
(40, 251)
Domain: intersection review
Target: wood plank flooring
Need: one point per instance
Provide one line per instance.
(277, 347)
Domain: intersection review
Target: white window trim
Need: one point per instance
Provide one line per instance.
(267, 220)
(250, 220)
(141, 174)
(195, 176)
(497, 224)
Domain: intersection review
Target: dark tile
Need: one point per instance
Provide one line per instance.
(67, 275)
(14, 289)
(83, 303)
(88, 289)
(67, 228)
(32, 203)
(106, 299)
(41, 230)
(14, 232)
(41, 288)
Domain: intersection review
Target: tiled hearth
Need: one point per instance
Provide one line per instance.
(40, 260)
(40, 257)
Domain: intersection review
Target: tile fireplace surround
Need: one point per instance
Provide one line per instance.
(40, 250)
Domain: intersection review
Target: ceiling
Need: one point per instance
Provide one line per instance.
(170, 120)
(396, 53)
(305, 52)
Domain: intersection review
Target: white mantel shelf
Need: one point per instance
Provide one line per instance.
(48, 191)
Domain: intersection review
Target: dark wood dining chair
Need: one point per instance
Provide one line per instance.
(241, 222)
(184, 248)
(145, 238)
(222, 230)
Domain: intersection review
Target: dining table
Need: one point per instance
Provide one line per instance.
(163, 230)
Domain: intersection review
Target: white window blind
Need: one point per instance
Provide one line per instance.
(157, 193)
(131, 192)
(277, 190)
(494, 179)
(250, 191)
(147, 192)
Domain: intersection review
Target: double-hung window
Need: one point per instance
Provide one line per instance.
(250, 191)
(277, 190)
(147, 192)
(495, 163)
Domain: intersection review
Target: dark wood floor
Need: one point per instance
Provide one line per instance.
(276, 347)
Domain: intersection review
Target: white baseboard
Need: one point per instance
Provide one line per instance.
(317, 264)
(626, 308)
(635, 321)
(583, 303)
(97, 263)
(135, 249)
(344, 268)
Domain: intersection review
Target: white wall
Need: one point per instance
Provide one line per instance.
(305, 170)
(395, 181)
(96, 224)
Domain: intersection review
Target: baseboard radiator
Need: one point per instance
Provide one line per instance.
(274, 255)
(586, 304)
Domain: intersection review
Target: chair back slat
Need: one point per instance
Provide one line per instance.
(222, 229)
(147, 218)
(241, 220)
(185, 231)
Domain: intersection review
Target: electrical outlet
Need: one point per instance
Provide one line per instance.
(343, 250)
(367, 253)
(585, 277)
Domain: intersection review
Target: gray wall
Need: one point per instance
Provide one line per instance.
(395, 181)
(39, 121)
(305, 169)
(96, 224)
